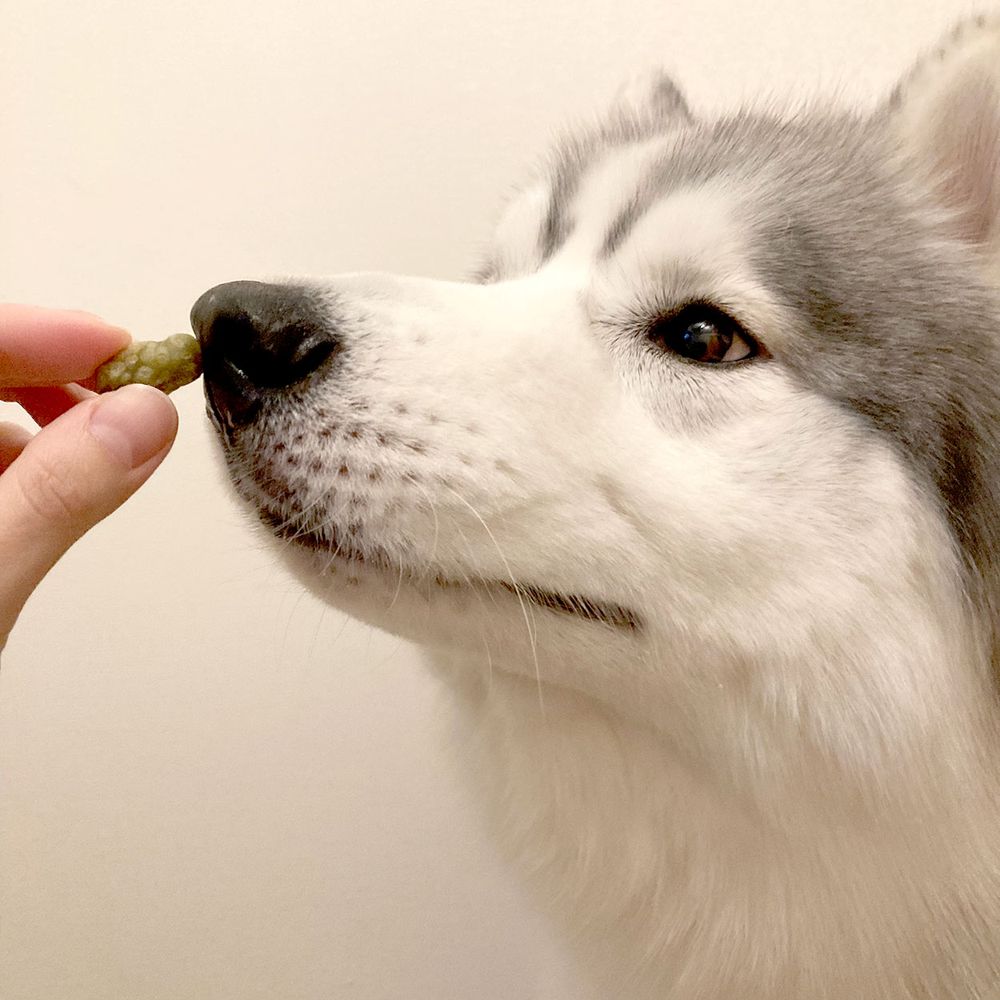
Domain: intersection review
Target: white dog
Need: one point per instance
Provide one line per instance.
(694, 497)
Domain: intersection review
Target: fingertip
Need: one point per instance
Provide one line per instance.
(88, 319)
(44, 346)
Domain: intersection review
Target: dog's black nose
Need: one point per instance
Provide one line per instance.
(257, 338)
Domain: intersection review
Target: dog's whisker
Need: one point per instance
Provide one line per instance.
(517, 593)
(399, 585)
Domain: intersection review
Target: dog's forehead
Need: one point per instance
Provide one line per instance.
(616, 175)
(614, 205)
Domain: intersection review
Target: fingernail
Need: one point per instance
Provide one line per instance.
(134, 423)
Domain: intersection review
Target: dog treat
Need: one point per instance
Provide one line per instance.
(167, 364)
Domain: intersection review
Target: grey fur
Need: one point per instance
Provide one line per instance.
(899, 326)
(895, 321)
(663, 109)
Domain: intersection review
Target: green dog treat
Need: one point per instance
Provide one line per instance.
(167, 364)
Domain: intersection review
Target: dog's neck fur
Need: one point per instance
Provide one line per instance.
(697, 843)
(673, 881)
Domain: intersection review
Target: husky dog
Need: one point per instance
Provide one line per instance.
(693, 497)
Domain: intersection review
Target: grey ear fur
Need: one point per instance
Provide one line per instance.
(653, 96)
(945, 118)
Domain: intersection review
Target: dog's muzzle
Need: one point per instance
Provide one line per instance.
(258, 339)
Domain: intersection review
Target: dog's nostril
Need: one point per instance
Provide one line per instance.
(257, 338)
(269, 357)
(303, 350)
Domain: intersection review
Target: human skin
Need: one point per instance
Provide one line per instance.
(90, 454)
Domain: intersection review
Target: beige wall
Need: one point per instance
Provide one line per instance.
(212, 787)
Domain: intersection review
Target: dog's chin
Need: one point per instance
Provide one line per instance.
(345, 575)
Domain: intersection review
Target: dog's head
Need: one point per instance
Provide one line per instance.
(719, 413)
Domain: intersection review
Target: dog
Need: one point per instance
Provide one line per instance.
(692, 495)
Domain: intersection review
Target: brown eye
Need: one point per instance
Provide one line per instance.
(704, 334)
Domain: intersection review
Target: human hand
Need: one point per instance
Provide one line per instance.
(91, 454)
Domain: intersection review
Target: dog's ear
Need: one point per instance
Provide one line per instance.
(652, 96)
(945, 115)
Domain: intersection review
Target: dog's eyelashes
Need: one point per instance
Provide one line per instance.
(704, 334)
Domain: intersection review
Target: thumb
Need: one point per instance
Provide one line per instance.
(72, 474)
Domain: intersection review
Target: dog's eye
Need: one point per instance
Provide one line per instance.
(703, 333)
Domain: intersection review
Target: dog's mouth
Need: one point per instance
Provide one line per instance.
(581, 607)
(330, 544)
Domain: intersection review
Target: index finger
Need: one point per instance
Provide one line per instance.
(41, 346)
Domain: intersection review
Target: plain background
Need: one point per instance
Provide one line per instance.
(213, 787)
